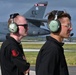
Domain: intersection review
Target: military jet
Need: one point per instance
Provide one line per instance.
(34, 18)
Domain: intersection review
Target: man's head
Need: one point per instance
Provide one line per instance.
(17, 24)
(60, 23)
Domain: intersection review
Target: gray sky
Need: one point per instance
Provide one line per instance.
(21, 6)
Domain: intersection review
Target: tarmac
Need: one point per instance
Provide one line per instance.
(72, 70)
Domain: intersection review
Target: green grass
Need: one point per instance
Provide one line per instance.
(70, 58)
(32, 46)
(31, 57)
(38, 46)
(69, 46)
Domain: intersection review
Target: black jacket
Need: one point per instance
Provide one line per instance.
(51, 59)
(13, 61)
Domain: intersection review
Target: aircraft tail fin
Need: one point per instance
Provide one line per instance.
(37, 11)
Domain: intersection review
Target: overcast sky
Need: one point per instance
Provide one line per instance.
(21, 6)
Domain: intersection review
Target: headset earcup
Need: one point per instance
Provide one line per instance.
(54, 26)
(13, 28)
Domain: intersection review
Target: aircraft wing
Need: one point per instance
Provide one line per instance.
(37, 19)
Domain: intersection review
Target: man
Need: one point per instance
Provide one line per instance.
(13, 60)
(51, 59)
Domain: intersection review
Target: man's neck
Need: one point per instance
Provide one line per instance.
(16, 37)
(57, 37)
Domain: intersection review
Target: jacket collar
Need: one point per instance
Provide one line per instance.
(49, 38)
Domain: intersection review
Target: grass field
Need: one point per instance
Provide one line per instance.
(69, 46)
(38, 46)
(31, 57)
(70, 57)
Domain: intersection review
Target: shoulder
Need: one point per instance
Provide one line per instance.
(50, 44)
(8, 44)
(50, 48)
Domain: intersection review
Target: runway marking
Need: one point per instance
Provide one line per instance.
(37, 50)
(32, 72)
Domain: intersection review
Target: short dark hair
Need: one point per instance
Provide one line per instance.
(60, 14)
(12, 16)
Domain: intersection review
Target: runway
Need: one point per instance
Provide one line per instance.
(72, 70)
(42, 42)
(37, 50)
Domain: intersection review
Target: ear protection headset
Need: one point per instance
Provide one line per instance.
(55, 25)
(13, 27)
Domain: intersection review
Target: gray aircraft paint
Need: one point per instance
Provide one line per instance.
(35, 19)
